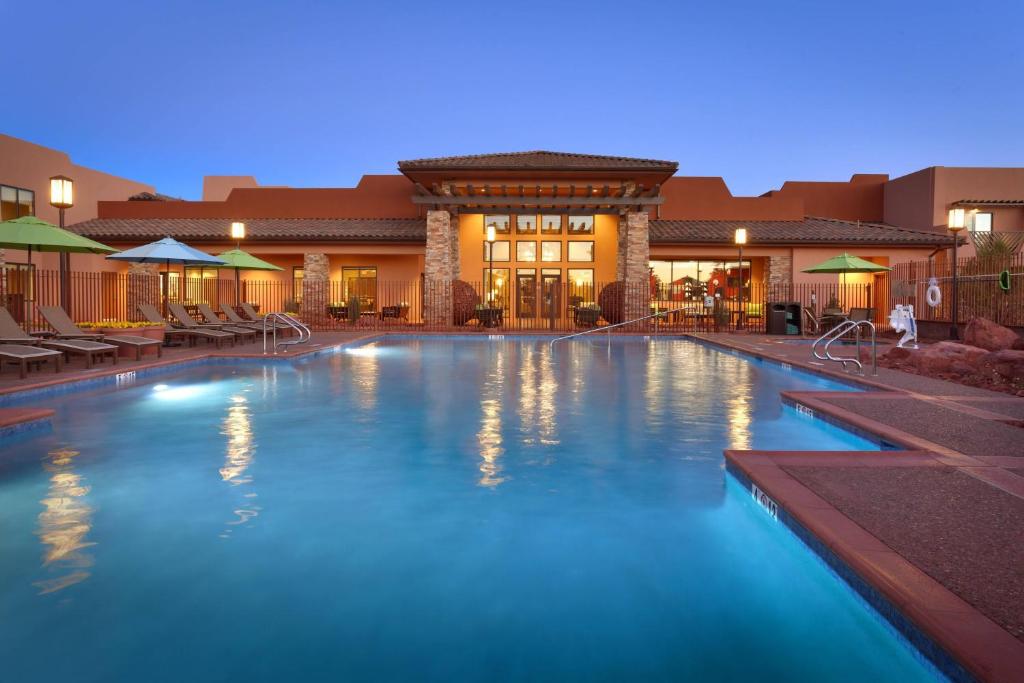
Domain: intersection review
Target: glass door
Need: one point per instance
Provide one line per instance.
(526, 293)
(550, 291)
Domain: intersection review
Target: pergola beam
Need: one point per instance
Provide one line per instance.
(540, 201)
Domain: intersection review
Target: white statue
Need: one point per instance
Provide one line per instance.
(902, 320)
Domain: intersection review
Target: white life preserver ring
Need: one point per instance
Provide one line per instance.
(933, 295)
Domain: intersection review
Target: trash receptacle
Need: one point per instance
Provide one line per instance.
(794, 319)
(776, 323)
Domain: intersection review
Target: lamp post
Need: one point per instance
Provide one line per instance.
(62, 197)
(957, 221)
(740, 239)
(490, 265)
(237, 234)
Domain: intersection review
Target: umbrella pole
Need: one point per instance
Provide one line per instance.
(167, 284)
(30, 289)
(237, 299)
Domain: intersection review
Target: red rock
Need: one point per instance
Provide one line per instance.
(1008, 364)
(986, 334)
(939, 358)
(897, 354)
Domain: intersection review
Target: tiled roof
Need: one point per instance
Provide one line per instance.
(537, 160)
(265, 229)
(992, 202)
(809, 231)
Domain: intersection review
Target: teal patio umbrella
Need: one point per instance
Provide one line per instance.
(167, 251)
(239, 260)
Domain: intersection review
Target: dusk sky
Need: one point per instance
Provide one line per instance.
(318, 93)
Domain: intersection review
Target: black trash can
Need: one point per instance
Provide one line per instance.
(776, 323)
(794, 319)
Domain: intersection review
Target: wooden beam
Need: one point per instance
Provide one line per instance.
(487, 190)
(504, 191)
(422, 190)
(605, 191)
(577, 202)
(519, 210)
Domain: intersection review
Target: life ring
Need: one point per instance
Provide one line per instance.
(1004, 281)
(933, 295)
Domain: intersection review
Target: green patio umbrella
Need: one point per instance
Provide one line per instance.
(846, 263)
(34, 234)
(240, 260)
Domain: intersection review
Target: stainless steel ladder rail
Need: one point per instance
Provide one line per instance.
(609, 328)
(304, 334)
(836, 333)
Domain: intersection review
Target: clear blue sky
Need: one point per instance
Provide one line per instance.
(317, 93)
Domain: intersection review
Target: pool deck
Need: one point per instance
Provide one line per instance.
(938, 528)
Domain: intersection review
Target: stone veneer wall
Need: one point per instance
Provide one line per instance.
(779, 276)
(440, 267)
(633, 261)
(143, 287)
(316, 275)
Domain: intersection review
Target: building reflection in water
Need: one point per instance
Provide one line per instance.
(64, 524)
(237, 427)
(489, 437)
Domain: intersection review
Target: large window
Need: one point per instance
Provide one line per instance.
(500, 248)
(551, 251)
(496, 285)
(581, 225)
(581, 251)
(526, 251)
(360, 282)
(693, 280)
(551, 224)
(16, 202)
(500, 223)
(526, 225)
(981, 222)
(298, 273)
(581, 286)
(200, 285)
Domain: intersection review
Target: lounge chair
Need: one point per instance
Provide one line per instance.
(251, 312)
(211, 317)
(179, 312)
(25, 356)
(150, 313)
(11, 332)
(66, 329)
(90, 350)
(232, 315)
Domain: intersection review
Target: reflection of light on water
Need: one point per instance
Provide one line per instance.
(537, 397)
(368, 350)
(64, 524)
(546, 422)
(237, 427)
(489, 436)
(365, 368)
(164, 392)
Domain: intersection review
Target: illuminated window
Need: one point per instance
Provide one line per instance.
(496, 293)
(581, 225)
(361, 282)
(551, 225)
(550, 251)
(526, 225)
(581, 286)
(982, 222)
(502, 250)
(500, 224)
(16, 202)
(581, 251)
(298, 273)
(526, 251)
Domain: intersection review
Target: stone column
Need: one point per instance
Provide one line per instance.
(633, 262)
(779, 277)
(142, 286)
(440, 267)
(316, 276)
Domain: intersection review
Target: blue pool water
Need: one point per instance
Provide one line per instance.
(425, 509)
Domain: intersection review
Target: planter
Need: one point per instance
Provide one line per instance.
(151, 332)
(489, 317)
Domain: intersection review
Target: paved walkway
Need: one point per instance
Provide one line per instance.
(940, 524)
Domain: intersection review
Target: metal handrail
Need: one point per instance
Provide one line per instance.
(609, 328)
(840, 330)
(304, 334)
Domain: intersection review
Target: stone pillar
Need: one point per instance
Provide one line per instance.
(142, 286)
(633, 262)
(779, 277)
(316, 276)
(440, 267)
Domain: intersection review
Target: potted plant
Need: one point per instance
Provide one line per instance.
(588, 314)
(111, 327)
(488, 316)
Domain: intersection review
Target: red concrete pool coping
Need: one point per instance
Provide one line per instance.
(983, 647)
(11, 417)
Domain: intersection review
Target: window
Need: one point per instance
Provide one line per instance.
(982, 222)
(298, 273)
(550, 251)
(500, 224)
(581, 251)
(16, 202)
(693, 280)
(526, 251)
(501, 248)
(551, 225)
(360, 282)
(496, 294)
(581, 225)
(526, 225)
(200, 285)
(581, 286)
(20, 279)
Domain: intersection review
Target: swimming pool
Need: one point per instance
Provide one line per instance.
(426, 509)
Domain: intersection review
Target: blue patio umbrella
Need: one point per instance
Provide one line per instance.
(167, 251)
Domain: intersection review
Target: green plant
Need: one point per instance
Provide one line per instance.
(113, 324)
(353, 309)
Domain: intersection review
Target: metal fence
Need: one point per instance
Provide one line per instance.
(527, 306)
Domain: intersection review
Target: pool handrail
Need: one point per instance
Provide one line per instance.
(304, 333)
(840, 330)
(609, 328)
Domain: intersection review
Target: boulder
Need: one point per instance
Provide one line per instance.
(988, 335)
(897, 354)
(1008, 364)
(939, 358)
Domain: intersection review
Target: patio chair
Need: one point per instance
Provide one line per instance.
(232, 315)
(860, 314)
(150, 313)
(251, 312)
(66, 329)
(90, 350)
(25, 356)
(11, 332)
(182, 316)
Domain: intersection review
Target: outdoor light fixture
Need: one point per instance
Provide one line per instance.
(62, 197)
(956, 222)
(238, 231)
(490, 263)
(740, 239)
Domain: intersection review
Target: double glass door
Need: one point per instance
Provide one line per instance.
(538, 298)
